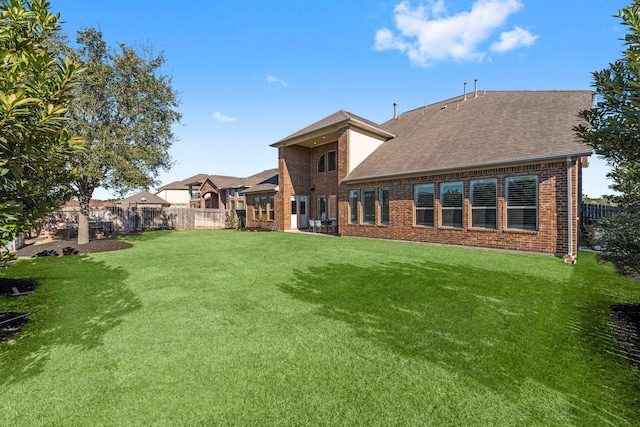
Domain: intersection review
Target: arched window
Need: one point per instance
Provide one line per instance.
(321, 163)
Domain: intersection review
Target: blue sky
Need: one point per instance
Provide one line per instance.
(250, 72)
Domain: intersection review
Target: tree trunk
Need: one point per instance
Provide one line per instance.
(84, 197)
(83, 227)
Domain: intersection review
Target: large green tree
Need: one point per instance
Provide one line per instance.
(35, 90)
(613, 131)
(124, 108)
(613, 128)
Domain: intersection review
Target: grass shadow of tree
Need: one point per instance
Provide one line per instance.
(77, 302)
(488, 327)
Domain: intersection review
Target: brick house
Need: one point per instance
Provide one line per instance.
(228, 192)
(494, 169)
(185, 193)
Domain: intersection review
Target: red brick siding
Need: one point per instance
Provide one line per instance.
(551, 236)
(294, 178)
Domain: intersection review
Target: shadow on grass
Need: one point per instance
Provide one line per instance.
(493, 328)
(77, 302)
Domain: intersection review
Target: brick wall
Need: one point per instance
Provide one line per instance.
(551, 236)
(294, 178)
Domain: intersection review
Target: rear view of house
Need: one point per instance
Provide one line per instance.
(494, 169)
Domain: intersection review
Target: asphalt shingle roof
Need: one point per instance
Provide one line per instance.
(494, 128)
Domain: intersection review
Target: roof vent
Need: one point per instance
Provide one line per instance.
(395, 110)
(475, 89)
(144, 199)
(465, 91)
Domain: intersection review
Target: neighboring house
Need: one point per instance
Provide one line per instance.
(183, 193)
(494, 169)
(143, 199)
(228, 192)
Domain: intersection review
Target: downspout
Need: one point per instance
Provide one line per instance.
(570, 258)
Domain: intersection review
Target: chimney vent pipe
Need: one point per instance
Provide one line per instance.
(395, 110)
(475, 88)
(465, 91)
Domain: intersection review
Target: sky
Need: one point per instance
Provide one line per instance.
(251, 72)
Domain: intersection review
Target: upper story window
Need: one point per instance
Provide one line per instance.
(521, 194)
(331, 161)
(322, 163)
(327, 162)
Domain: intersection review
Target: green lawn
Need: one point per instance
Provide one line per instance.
(230, 328)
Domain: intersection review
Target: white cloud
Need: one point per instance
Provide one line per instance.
(510, 40)
(222, 118)
(275, 80)
(428, 34)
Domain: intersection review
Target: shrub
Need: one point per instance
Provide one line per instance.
(618, 239)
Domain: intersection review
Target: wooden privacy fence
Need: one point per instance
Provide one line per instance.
(590, 214)
(132, 219)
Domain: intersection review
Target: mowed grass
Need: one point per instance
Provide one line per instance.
(257, 329)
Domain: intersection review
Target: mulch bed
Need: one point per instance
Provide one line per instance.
(17, 287)
(11, 323)
(625, 319)
(70, 247)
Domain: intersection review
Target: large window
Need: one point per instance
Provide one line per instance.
(484, 202)
(423, 202)
(331, 161)
(321, 207)
(451, 204)
(271, 205)
(327, 162)
(322, 163)
(383, 198)
(353, 206)
(522, 202)
(256, 207)
(369, 206)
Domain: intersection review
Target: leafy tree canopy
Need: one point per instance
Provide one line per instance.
(614, 121)
(124, 108)
(35, 90)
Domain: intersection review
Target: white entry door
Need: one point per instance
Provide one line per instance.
(299, 216)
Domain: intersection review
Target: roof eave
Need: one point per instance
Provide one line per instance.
(470, 167)
(332, 127)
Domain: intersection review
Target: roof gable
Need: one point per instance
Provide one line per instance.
(145, 197)
(331, 123)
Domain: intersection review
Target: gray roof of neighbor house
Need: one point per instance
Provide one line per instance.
(269, 176)
(495, 128)
(184, 184)
(222, 181)
(143, 198)
(329, 123)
